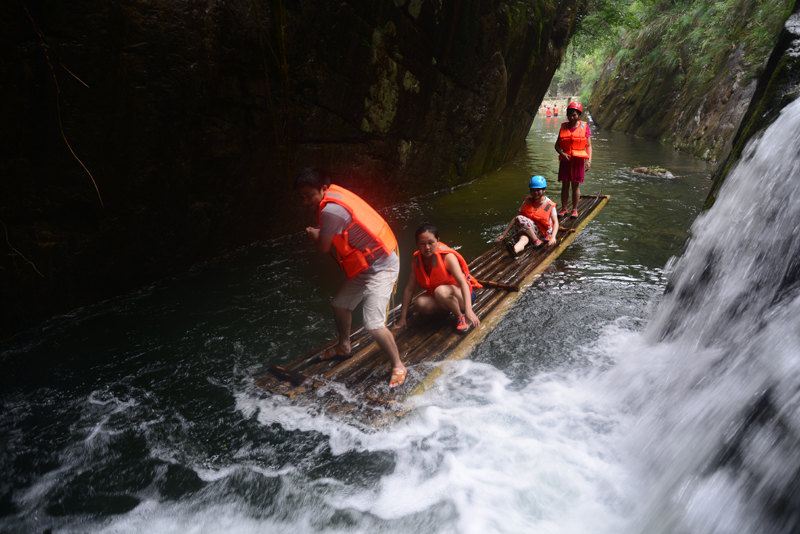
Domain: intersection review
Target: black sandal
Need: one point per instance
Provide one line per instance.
(509, 244)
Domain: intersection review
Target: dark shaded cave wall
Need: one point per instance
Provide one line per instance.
(193, 116)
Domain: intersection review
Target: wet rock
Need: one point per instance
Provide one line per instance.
(777, 87)
(658, 172)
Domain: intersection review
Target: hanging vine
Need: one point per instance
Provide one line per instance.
(44, 47)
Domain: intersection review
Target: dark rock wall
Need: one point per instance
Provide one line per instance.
(193, 116)
(694, 100)
(777, 87)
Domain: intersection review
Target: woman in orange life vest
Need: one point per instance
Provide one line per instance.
(536, 222)
(555, 110)
(366, 250)
(444, 275)
(574, 147)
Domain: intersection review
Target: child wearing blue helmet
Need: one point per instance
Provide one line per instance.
(536, 222)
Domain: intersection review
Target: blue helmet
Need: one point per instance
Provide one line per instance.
(537, 182)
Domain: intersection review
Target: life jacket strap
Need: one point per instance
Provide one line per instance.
(368, 253)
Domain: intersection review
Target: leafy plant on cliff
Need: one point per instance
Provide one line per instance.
(687, 40)
(600, 30)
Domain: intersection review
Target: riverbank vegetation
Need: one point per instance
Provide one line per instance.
(689, 40)
(681, 71)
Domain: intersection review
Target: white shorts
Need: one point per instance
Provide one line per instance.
(375, 289)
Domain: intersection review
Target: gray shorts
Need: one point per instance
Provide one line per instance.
(375, 289)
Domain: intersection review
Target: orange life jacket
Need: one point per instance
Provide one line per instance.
(574, 142)
(353, 261)
(548, 113)
(555, 111)
(439, 274)
(540, 215)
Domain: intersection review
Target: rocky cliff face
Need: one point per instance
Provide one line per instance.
(192, 117)
(777, 87)
(689, 74)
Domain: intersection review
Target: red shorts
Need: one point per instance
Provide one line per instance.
(571, 171)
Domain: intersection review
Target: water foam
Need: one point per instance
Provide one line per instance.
(503, 458)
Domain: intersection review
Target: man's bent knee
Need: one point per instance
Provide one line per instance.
(344, 305)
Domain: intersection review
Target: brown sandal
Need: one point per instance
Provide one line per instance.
(331, 354)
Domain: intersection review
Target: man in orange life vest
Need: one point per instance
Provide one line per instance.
(366, 250)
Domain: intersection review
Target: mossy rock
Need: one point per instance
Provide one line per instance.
(659, 172)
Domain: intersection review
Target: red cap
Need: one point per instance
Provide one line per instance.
(575, 105)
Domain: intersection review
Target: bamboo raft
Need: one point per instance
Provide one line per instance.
(358, 385)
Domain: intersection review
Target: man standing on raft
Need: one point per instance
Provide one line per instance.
(366, 250)
(574, 147)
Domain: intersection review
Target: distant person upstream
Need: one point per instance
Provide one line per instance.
(366, 249)
(574, 147)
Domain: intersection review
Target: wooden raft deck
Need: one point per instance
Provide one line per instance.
(359, 384)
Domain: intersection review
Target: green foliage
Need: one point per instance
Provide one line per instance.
(600, 31)
(685, 41)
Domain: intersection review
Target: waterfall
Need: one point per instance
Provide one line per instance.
(719, 428)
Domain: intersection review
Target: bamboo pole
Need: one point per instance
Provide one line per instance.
(498, 285)
(409, 350)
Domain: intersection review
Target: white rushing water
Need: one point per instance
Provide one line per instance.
(719, 425)
(690, 425)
